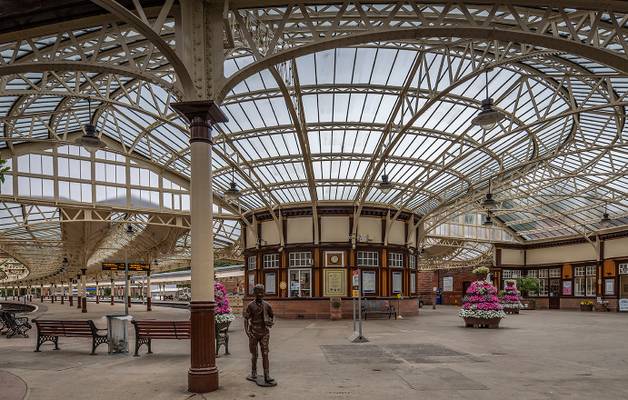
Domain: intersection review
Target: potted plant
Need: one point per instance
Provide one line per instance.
(222, 315)
(481, 307)
(527, 285)
(335, 308)
(481, 273)
(586, 305)
(510, 298)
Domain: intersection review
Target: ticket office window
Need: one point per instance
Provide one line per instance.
(300, 282)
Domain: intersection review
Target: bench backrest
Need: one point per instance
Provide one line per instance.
(376, 305)
(156, 329)
(65, 328)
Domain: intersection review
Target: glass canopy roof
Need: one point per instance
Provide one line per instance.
(323, 126)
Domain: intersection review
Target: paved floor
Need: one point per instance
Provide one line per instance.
(535, 355)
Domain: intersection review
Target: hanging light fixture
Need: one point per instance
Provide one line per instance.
(487, 221)
(129, 229)
(233, 193)
(385, 185)
(488, 201)
(606, 219)
(65, 264)
(90, 141)
(488, 117)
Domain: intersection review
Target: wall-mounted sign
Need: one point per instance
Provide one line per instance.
(567, 288)
(448, 284)
(355, 279)
(623, 304)
(133, 267)
(335, 282)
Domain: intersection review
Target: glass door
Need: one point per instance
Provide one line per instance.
(300, 282)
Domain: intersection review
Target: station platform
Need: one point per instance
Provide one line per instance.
(535, 355)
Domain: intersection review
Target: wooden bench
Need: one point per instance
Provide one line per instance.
(378, 307)
(14, 325)
(50, 330)
(147, 330)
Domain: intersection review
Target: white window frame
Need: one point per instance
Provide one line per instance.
(412, 261)
(623, 269)
(271, 260)
(412, 282)
(299, 271)
(368, 258)
(300, 259)
(395, 260)
(555, 273)
(251, 263)
(251, 281)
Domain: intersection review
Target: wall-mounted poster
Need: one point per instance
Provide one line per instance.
(448, 284)
(335, 283)
(396, 282)
(623, 304)
(269, 283)
(609, 286)
(567, 288)
(368, 282)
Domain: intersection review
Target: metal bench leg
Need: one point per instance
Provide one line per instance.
(227, 344)
(150, 346)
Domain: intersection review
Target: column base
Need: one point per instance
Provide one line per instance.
(78, 302)
(62, 299)
(149, 304)
(97, 300)
(202, 380)
(84, 304)
(112, 300)
(203, 374)
(71, 298)
(128, 301)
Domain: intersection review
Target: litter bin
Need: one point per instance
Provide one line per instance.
(117, 333)
(439, 297)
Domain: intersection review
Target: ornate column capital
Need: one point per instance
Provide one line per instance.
(200, 114)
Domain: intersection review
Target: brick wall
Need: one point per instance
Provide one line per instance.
(319, 308)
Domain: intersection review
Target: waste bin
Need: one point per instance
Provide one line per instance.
(117, 333)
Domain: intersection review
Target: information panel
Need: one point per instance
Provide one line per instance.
(133, 267)
(335, 282)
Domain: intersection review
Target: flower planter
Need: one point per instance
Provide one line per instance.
(586, 307)
(335, 309)
(531, 304)
(491, 323)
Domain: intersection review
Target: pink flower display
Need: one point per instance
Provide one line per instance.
(222, 301)
(510, 298)
(481, 301)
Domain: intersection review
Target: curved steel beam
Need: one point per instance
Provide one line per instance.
(127, 16)
(490, 34)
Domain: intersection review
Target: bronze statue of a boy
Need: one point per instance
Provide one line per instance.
(258, 318)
